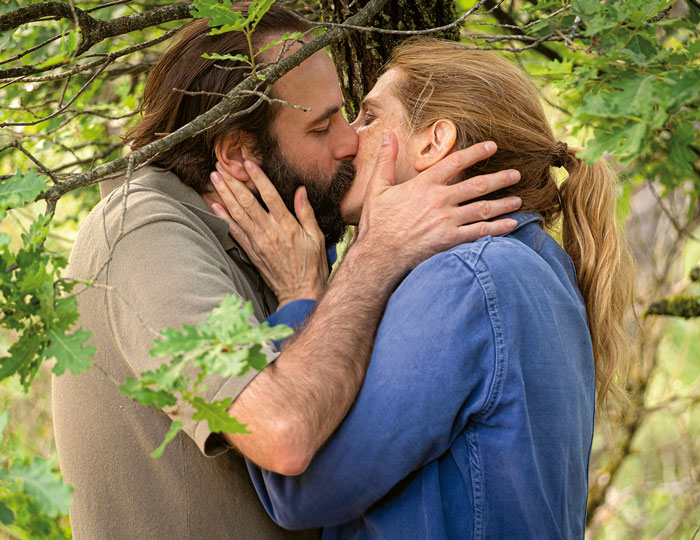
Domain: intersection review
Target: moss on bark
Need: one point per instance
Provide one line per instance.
(359, 58)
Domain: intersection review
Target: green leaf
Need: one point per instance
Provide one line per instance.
(257, 10)
(681, 155)
(38, 480)
(286, 37)
(21, 189)
(233, 57)
(7, 516)
(257, 358)
(173, 342)
(70, 351)
(221, 15)
(217, 416)
(175, 428)
(136, 389)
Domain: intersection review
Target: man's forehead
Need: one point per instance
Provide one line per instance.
(313, 85)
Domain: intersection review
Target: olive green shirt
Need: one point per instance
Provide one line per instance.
(167, 263)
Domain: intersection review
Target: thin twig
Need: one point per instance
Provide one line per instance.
(36, 162)
(31, 50)
(374, 30)
(62, 109)
(679, 228)
(219, 112)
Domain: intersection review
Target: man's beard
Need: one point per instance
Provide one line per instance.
(324, 194)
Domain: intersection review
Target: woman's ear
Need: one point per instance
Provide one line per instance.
(231, 150)
(434, 143)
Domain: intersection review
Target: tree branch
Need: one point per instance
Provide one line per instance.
(214, 115)
(509, 23)
(92, 30)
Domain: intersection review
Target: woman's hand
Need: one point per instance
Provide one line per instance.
(290, 254)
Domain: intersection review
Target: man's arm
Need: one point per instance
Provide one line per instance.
(293, 406)
(432, 369)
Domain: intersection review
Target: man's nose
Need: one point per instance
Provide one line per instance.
(347, 144)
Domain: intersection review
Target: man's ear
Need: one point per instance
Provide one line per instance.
(232, 149)
(435, 142)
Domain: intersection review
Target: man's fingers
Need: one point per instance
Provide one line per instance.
(478, 186)
(267, 191)
(447, 168)
(383, 173)
(481, 210)
(305, 213)
(474, 231)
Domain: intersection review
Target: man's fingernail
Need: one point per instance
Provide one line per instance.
(511, 223)
(516, 202)
(385, 137)
(249, 165)
(215, 178)
(490, 147)
(304, 198)
(514, 175)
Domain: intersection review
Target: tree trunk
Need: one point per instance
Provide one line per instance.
(359, 58)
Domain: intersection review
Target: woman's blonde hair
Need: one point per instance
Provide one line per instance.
(488, 98)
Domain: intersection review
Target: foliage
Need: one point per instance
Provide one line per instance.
(225, 345)
(626, 78)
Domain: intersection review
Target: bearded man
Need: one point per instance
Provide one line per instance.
(168, 261)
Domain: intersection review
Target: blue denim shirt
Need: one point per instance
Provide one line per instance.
(475, 419)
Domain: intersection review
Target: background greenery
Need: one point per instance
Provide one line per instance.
(621, 78)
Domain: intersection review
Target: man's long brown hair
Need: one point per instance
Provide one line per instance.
(489, 98)
(181, 67)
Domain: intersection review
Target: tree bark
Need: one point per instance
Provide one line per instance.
(359, 58)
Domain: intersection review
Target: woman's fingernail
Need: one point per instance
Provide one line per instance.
(215, 178)
(514, 175)
(385, 137)
(516, 202)
(249, 166)
(511, 223)
(216, 208)
(490, 147)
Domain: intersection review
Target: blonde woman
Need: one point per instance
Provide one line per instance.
(475, 419)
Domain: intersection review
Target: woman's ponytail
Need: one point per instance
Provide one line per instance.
(603, 263)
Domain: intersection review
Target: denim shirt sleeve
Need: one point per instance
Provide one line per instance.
(293, 314)
(431, 370)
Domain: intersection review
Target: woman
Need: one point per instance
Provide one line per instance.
(475, 419)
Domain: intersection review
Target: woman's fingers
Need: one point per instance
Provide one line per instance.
(231, 204)
(267, 191)
(240, 199)
(234, 230)
(305, 214)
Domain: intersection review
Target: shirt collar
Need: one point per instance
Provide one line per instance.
(170, 185)
(521, 218)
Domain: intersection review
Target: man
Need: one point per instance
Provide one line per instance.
(167, 261)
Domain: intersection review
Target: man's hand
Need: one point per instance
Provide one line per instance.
(412, 221)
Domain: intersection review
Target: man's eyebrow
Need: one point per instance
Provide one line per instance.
(326, 114)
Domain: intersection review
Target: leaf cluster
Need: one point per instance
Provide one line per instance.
(36, 307)
(224, 345)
